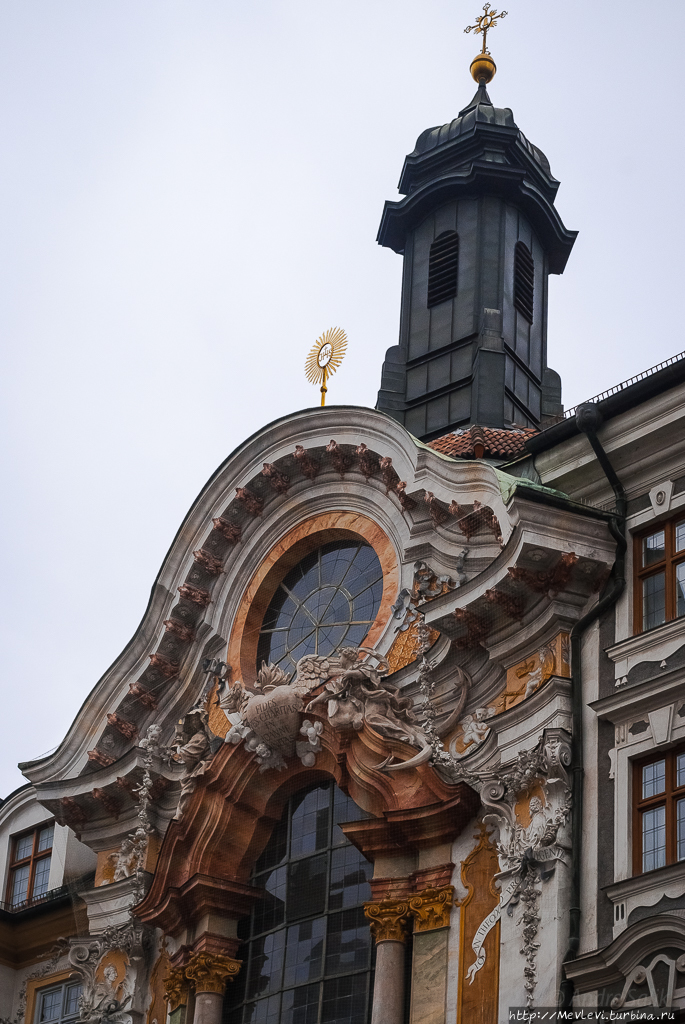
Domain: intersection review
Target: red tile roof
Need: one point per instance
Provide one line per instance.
(483, 443)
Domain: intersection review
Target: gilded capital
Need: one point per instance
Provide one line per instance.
(388, 920)
(431, 908)
(176, 989)
(209, 972)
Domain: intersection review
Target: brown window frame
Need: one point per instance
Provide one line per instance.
(32, 860)
(667, 565)
(668, 799)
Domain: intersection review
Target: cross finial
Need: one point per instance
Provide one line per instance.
(484, 23)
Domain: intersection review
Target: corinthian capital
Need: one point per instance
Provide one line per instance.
(431, 908)
(389, 920)
(176, 989)
(209, 972)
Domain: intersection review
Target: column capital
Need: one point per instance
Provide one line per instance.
(209, 972)
(388, 920)
(431, 908)
(176, 989)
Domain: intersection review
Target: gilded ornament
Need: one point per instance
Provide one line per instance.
(176, 989)
(483, 67)
(209, 972)
(325, 358)
(431, 908)
(388, 920)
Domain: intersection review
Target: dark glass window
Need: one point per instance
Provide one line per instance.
(524, 281)
(308, 955)
(443, 268)
(329, 599)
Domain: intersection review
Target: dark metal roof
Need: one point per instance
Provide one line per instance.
(482, 110)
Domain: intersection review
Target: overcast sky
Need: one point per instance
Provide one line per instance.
(190, 194)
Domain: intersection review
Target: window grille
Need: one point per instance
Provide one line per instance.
(443, 266)
(329, 600)
(524, 281)
(308, 954)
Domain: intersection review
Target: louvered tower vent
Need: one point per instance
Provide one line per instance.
(524, 281)
(443, 264)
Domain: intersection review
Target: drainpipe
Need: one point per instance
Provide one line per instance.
(588, 421)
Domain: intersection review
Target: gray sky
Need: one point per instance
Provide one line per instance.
(190, 194)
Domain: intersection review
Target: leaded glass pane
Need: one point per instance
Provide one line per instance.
(24, 847)
(328, 600)
(653, 548)
(654, 839)
(41, 877)
(680, 536)
(307, 952)
(20, 884)
(653, 601)
(51, 1005)
(45, 838)
(653, 779)
(71, 1001)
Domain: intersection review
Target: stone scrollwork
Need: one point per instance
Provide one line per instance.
(389, 920)
(431, 908)
(105, 997)
(528, 854)
(209, 972)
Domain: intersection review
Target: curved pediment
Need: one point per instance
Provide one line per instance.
(479, 554)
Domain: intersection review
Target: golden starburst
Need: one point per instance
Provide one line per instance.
(325, 358)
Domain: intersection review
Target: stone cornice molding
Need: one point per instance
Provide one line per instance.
(389, 920)
(209, 972)
(610, 965)
(431, 908)
(641, 698)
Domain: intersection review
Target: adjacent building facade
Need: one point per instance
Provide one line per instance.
(401, 736)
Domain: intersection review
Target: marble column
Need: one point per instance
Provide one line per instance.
(209, 973)
(389, 921)
(430, 909)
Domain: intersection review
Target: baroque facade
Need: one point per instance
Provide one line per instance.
(401, 736)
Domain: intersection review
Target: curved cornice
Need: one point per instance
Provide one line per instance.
(480, 177)
(175, 675)
(615, 961)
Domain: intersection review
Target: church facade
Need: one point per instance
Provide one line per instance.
(401, 736)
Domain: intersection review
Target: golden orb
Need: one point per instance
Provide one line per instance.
(483, 68)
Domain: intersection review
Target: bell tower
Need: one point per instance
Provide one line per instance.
(479, 234)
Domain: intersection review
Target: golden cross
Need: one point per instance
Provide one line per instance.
(485, 22)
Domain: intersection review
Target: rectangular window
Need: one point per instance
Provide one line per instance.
(659, 808)
(660, 575)
(30, 861)
(58, 1004)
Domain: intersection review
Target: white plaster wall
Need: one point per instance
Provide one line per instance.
(588, 892)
